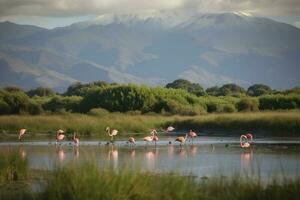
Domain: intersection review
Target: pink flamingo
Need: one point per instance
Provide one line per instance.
(181, 139)
(148, 139)
(192, 135)
(75, 139)
(169, 129)
(21, 133)
(154, 136)
(250, 137)
(131, 141)
(244, 141)
(59, 136)
(111, 133)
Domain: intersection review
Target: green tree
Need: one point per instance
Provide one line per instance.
(258, 90)
(213, 91)
(231, 89)
(193, 88)
(13, 101)
(40, 91)
(79, 89)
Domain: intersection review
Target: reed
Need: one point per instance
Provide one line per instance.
(272, 123)
(87, 181)
(90, 182)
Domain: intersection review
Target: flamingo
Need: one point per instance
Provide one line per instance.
(111, 133)
(131, 141)
(59, 135)
(250, 137)
(169, 129)
(75, 139)
(244, 141)
(21, 133)
(148, 139)
(181, 139)
(192, 135)
(154, 136)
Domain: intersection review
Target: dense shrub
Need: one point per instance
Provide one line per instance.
(125, 98)
(275, 102)
(35, 108)
(248, 104)
(229, 108)
(59, 103)
(13, 101)
(133, 99)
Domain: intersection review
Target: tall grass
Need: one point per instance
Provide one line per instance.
(272, 123)
(14, 173)
(88, 125)
(12, 166)
(90, 182)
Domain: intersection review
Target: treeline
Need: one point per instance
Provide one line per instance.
(179, 97)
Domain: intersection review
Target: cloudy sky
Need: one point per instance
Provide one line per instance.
(54, 13)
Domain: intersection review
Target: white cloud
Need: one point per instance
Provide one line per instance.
(97, 7)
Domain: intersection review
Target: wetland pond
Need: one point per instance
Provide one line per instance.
(206, 157)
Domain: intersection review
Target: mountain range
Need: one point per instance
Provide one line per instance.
(210, 49)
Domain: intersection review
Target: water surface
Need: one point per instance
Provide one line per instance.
(205, 157)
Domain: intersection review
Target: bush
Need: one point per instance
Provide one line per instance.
(279, 101)
(35, 108)
(124, 98)
(229, 108)
(4, 107)
(62, 104)
(13, 101)
(248, 104)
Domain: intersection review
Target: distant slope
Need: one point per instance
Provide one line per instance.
(210, 49)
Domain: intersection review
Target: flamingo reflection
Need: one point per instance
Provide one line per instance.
(150, 159)
(181, 152)
(132, 153)
(193, 150)
(22, 153)
(113, 156)
(60, 154)
(76, 153)
(170, 150)
(246, 159)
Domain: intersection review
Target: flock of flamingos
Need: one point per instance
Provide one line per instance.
(245, 140)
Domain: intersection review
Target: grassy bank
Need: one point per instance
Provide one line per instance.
(272, 123)
(88, 181)
(269, 123)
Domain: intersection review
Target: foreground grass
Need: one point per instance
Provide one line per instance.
(272, 123)
(89, 182)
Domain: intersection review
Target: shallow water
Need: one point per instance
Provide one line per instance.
(207, 156)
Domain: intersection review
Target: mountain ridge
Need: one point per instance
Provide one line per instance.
(210, 49)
